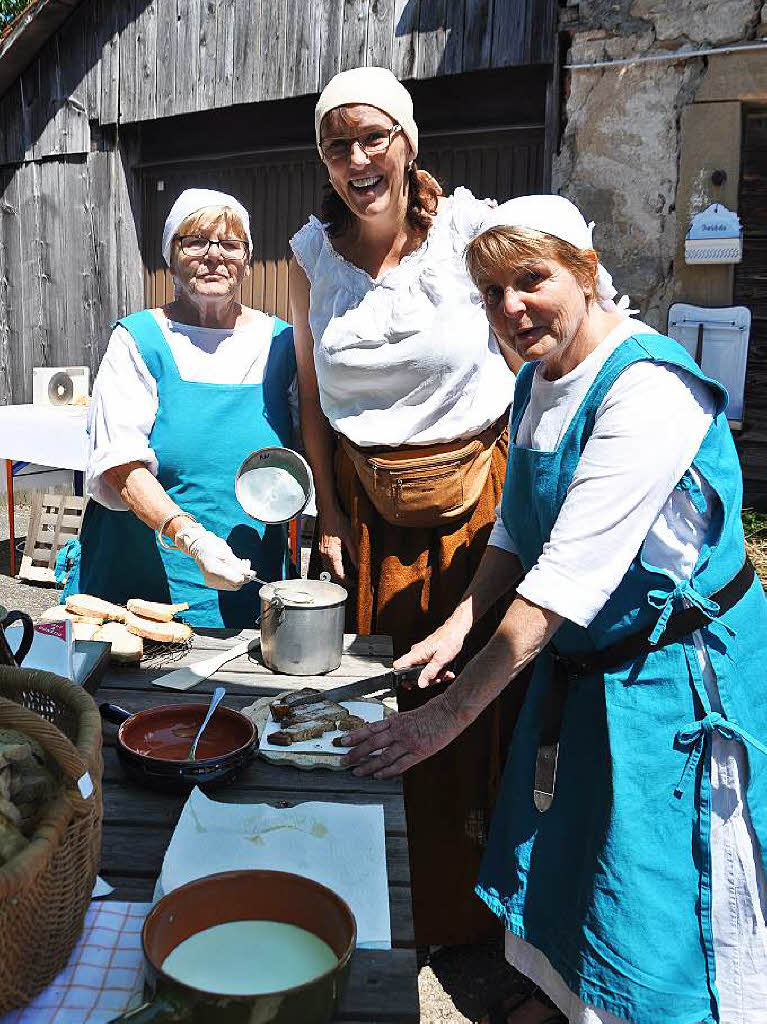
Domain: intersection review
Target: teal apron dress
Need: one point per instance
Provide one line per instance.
(613, 883)
(200, 436)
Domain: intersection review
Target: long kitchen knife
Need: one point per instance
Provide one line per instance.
(393, 680)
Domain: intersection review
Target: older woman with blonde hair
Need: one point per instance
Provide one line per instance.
(404, 398)
(183, 394)
(627, 853)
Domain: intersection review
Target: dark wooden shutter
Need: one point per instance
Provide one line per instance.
(751, 291)
(281, 189)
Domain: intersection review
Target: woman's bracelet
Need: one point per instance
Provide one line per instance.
(160, 531)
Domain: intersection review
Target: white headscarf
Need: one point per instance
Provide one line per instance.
(192, 200)
(557, 216)
(376, 87)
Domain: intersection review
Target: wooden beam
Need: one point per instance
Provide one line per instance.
(31, 31)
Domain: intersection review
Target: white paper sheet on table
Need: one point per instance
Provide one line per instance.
(342, 846)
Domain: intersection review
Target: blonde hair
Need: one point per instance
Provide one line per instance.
(500, 248)
(207, 218)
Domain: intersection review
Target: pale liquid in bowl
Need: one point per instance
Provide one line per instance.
(249, 958)
(271, 494)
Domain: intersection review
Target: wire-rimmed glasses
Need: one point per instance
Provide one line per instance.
(198, 245)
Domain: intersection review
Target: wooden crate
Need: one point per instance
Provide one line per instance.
(54, 520)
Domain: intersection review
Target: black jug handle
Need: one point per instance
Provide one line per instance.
(27, 636)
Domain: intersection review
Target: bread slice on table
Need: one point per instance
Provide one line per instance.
(85, 630)
(162, 632)
(282, 707)
(332, 717)
(127, 648)
(85, 604)
(59, 612)
(155, 609)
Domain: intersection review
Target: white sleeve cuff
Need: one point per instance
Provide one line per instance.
(500, 536)
(557, 593)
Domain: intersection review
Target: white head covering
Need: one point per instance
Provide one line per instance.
(192, 200)
(557, 216)
(376, 87)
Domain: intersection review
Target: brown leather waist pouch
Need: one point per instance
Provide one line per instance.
(425, 485)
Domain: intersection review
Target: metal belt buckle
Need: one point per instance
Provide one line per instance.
(545, 776)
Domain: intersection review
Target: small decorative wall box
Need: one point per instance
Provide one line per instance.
(715, 236)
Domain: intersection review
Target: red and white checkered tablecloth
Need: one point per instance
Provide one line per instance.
(104, 975)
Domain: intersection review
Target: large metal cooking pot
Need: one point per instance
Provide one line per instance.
(302, 626)
(241, 896)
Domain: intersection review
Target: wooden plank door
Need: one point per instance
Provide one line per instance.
(281, 189)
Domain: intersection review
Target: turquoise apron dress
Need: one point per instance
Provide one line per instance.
(200, 436)
(613, 883)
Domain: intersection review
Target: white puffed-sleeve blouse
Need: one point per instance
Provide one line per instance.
(408, 357)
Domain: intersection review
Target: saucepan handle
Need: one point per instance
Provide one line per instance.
(27, 636)
(112, 713)
(159, 1011)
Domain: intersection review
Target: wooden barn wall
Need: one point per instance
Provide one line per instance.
(70, 214)
(136, 60)
(69, 262)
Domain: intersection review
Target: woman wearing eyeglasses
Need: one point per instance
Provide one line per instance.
(184, 393)
(404, 399)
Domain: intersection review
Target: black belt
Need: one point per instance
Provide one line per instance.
(637, 645)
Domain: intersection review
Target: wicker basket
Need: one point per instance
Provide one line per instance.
(46, 889)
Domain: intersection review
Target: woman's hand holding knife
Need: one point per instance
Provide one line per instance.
(388, 748)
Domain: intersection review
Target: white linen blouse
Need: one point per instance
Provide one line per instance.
(646, 433)
(408, 357)
(124, 400)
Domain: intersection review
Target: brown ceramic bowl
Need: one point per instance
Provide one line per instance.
(152, 745)
(241, 896)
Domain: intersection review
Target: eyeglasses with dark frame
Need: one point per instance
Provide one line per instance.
(198, 245)
(372, 143)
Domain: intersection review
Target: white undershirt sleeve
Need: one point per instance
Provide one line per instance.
(647, 432)
(122, 413)
(500, 536)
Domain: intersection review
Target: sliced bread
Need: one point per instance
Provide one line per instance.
(162, 632)
(155, 609)
(58, 613)
(126, 647)
(85, 604)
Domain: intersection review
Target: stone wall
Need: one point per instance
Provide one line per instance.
(620, 148)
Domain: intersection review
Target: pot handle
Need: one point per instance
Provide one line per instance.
(114, 714)
(159, 1011)
(275, 607)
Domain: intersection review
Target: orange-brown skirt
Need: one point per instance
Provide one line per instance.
(410, 581)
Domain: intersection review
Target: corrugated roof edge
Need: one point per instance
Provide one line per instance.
(24, 37)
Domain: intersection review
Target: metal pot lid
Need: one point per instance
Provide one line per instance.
(304, 593)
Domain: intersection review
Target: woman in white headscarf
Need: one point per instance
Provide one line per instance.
(184, 393)
(404, 399)
(627, 852)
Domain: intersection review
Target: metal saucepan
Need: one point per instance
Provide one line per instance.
(244, 896)
(302, 626)
(274, 485)
(152, 745)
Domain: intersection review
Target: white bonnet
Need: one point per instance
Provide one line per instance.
(557, 216)
(192, 200)
(375, 87)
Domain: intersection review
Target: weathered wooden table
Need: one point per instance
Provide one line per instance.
(138, 822)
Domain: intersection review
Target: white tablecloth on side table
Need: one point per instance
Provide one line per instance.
(45, 434)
